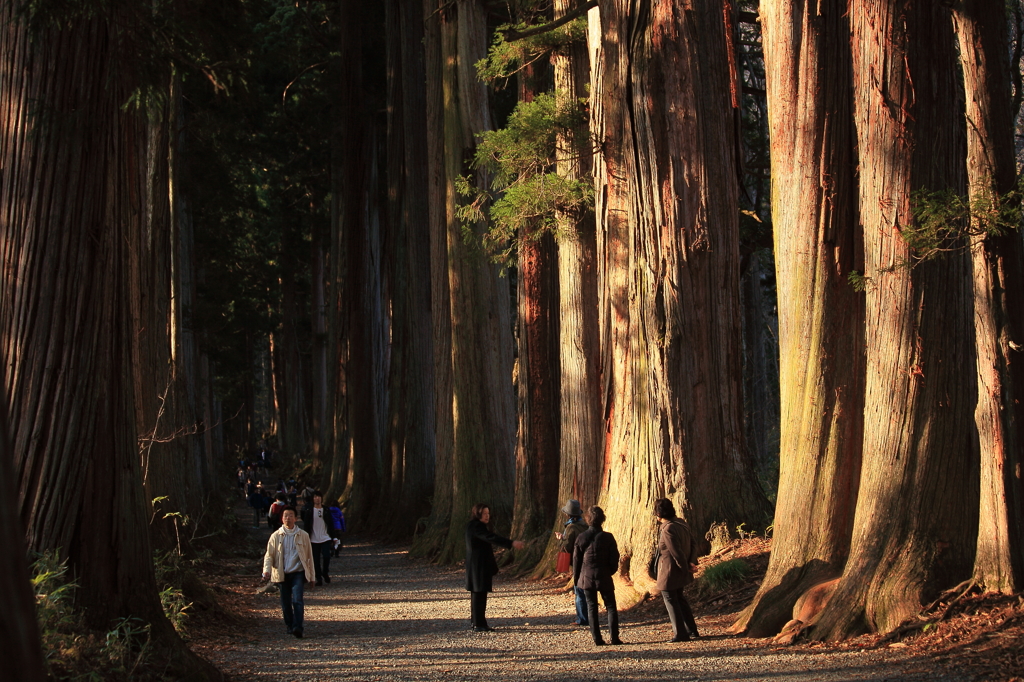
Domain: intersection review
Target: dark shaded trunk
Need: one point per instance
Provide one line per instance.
(68, 205)
(410, 451)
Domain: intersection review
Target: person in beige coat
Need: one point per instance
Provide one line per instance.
(288, 563)
(677, 561)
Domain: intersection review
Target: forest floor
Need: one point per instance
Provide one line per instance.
(385, 616)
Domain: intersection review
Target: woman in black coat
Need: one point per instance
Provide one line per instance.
(480, 563)
(677, 561)
(595, 559)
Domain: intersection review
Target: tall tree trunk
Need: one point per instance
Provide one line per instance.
(70, 192)
(998, 275)
(916, 517)
(537, 370)
(440, 204)
(676, 416)
(821, 328)
(410, 452)
(578, 333)
(483, 404)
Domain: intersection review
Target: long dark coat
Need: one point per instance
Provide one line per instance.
(677, 551)
(594, 570)
(480, 563)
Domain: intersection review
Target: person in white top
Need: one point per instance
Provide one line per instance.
(288, 563)
(316, 520)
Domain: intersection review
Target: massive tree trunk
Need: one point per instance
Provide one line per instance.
(410, 452)
(676, 407)
(916, 517)
(71, 191)
(483, 403)
(998, 276)
(821, 328)
(19, 630)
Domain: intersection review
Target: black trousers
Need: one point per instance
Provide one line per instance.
(478, 609)
(679, 613)
(608, 595)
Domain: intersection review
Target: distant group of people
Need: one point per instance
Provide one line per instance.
(297, 556)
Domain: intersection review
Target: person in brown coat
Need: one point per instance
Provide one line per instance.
(677, 561)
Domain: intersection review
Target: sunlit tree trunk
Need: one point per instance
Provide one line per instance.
(998, 277)
(483, 403)
(69, 196)
(821, 329)
(916, 519)
(675, 403)
(578, 347)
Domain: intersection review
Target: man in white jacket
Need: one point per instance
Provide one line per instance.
(289, 565)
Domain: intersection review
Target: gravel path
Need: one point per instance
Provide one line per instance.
(385, 617)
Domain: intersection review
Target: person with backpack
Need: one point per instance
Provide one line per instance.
(338, 525)
(274, 515)
(677, 560)
(595, 559)
(574, 527)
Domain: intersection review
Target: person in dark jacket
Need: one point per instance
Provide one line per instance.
(481, 566)
(574, 527)
(595, 560)
(677, 560)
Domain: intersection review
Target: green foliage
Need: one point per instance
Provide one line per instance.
(721, 577)
(126, 645)
(506, 58)
(70, 650)
(944, 220)
(525, 196)
(170, 570)
(857, 280)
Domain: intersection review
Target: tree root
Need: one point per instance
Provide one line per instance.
(958, 593)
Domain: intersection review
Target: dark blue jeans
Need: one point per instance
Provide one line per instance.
(581, 606)
(292, 590)
(322, 558)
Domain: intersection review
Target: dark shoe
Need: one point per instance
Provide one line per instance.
(482, 628)
(319, 582)
(598, 642)
(327, 579)
(680, 638)
(297, 632)
(616, 642)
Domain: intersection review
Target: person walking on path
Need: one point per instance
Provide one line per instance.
(276, 509)
(315, 520)
(595, 560)
(288, 564)
(573, 528)
(677, 561)
(338, 525)
(481, 566)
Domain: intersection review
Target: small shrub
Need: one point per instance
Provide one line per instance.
(721, 577)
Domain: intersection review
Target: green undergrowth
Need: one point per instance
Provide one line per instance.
(721, 577)
(74, 651)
